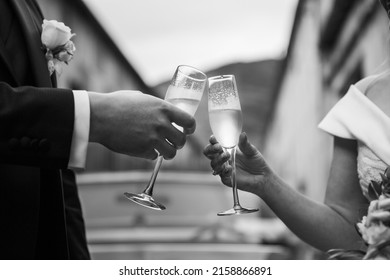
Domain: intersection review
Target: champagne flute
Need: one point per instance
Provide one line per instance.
(185, 92)
(226, 123)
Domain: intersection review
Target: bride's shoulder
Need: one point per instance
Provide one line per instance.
(377, 89)
(366, 83)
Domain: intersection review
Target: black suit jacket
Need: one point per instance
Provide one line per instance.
(39, 205)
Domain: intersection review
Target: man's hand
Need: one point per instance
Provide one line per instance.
(137, 124)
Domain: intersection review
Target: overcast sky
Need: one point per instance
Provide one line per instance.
(158, 35)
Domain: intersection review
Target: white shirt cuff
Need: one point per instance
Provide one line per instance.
(78, 149)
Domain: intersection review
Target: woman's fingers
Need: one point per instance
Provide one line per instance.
(384, 204)
(212, 150)
(219, 164)
(378, 216)
(213, 140)
(226, 179)
(245, 146)
(219, 158)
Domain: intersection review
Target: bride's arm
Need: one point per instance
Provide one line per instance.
(323, 225)
(329, 225)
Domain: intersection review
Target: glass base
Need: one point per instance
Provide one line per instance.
(237, 211)
(145, 200)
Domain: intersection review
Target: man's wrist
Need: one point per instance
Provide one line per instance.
(96, 107)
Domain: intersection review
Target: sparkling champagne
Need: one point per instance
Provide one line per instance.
(226, 125)
(185, 99)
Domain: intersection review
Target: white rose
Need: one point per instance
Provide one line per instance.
(55, 34)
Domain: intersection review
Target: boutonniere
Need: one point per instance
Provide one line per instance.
(57, 45)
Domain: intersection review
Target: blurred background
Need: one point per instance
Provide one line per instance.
(293, 59)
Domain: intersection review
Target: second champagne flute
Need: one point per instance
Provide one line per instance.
(226, 123)
(185, 92)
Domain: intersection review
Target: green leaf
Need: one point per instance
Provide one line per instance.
(340, 254)
(384, 178)
(374, 190)
(387, 172)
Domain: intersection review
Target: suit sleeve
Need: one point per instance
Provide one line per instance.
(36, 126)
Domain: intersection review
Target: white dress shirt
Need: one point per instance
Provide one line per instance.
(78, 150)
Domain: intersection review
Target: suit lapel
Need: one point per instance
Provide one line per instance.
(33, 40)
(9, 73)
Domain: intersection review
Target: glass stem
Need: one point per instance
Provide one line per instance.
(232, 152)
(149, 188)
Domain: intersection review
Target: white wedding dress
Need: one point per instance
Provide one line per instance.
(355, 116)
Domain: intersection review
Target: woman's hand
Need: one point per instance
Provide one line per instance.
(375, 229)
(379, 211)
(252, 170)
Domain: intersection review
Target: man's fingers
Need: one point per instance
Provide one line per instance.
(166, 149)
(175, 137)
(190, 130)
(181, 118)
(151, 154)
